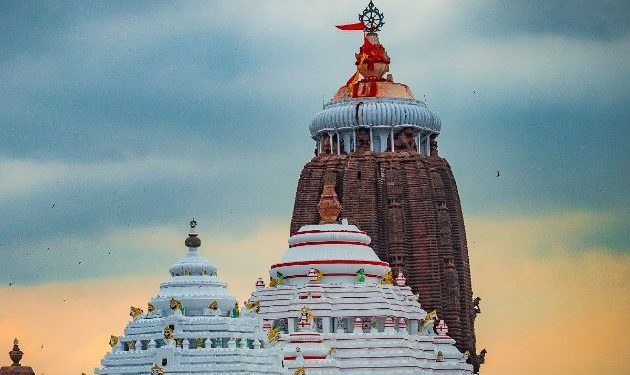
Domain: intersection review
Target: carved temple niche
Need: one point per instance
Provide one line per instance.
(363, 140)
(395, 222)
(405, 141)
(329, 206)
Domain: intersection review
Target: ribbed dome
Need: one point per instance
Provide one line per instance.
(336, 250)
(374, 112)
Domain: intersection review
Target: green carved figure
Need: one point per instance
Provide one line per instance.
(361, 276)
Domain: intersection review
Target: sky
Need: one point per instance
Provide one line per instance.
(122, 120)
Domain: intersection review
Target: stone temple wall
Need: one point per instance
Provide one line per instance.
(409, 205)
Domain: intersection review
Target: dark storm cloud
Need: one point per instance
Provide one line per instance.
(586, 19)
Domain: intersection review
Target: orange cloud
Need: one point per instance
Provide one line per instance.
(546, 309)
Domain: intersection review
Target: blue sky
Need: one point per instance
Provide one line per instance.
(129, 117)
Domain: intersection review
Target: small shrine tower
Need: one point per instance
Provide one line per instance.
(16, 368)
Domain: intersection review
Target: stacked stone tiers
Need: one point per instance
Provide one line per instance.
(409, 205)
(360, 325)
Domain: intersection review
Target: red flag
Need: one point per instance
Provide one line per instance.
(353, 26)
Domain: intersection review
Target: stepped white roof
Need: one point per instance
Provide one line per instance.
(362, 322)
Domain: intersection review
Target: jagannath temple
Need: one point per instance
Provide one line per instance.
(193, 326)
(376, 278)
(376, 145)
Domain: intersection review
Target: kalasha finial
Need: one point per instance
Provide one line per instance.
(193, 241)
(372, 18)
(16, 354)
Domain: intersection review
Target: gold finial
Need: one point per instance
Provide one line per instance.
(300, 371)
(15, 341)
(329, 206)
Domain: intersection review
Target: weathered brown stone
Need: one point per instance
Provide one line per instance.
(409, 205)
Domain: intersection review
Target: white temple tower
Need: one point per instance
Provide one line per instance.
(193, 326)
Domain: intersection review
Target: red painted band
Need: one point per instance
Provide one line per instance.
(305, 342)
(309, 262)
(330, 274)
(317, 243)
(327, 231)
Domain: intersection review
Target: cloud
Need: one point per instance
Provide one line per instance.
(544, 299)
(583, 19)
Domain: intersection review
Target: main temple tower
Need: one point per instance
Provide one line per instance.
(377, 144)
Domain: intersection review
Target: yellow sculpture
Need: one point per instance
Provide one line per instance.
(300, 371)
(157, 370)
(113, 341)
(176, 305)
(429, 317)
(388, 278)
(332, 352)
(320, 274)
(168, 333)
(150, 307)
(135, 312)
(272, 282)
(186, 272)
(252, 305)
(274, 335)
(306, 312)
(214, 305)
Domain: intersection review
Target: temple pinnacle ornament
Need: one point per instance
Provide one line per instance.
(372, 18)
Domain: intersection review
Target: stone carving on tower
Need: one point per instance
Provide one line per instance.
(380, 143)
